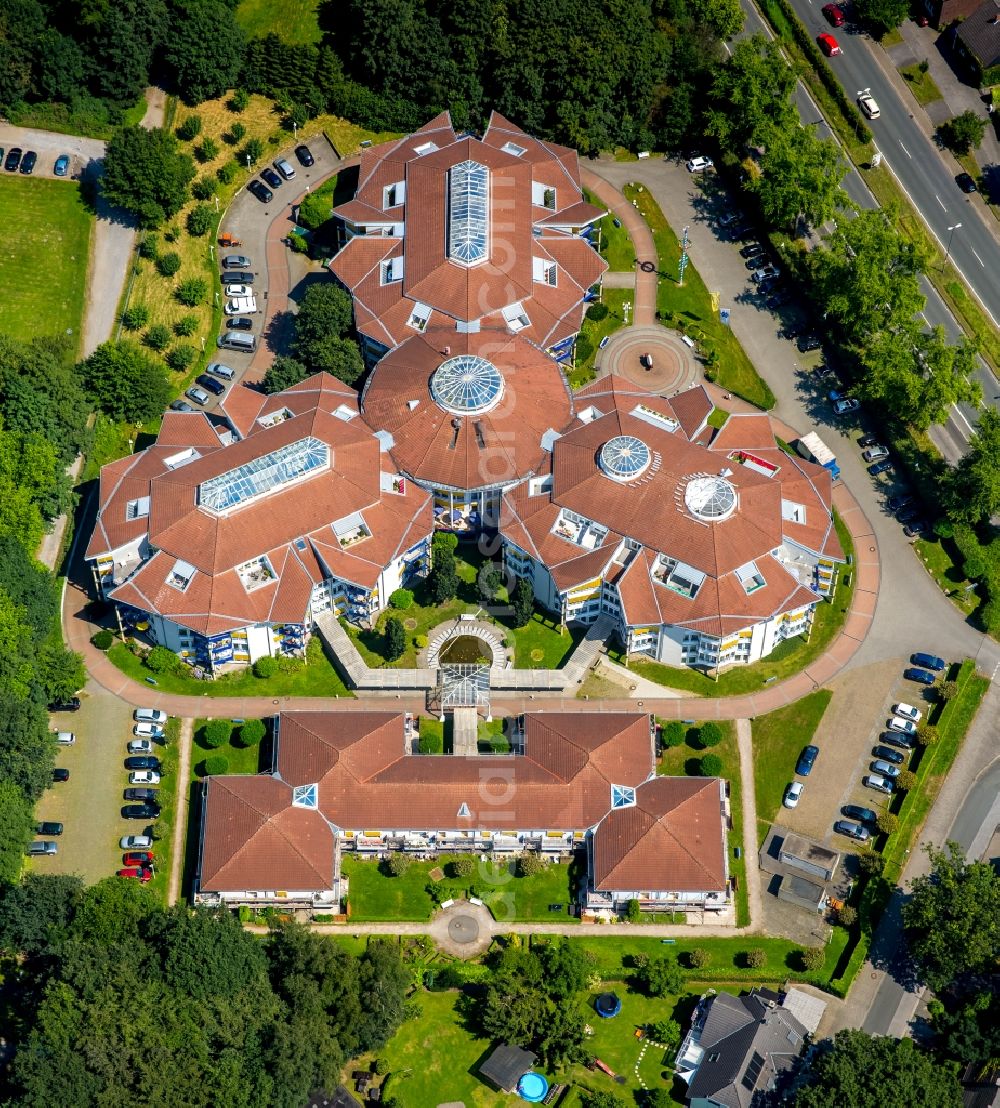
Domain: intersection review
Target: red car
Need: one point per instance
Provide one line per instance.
(138, 858)
(141, 873)
(829, 45)
(834, 15)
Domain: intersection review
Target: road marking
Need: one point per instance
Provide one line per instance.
(958, 412)
(978, 259)
(938, 199)
(905, 151)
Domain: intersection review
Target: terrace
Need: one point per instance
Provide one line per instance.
(677, 576)
(579, 530)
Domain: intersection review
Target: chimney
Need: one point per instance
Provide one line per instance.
(457, 425)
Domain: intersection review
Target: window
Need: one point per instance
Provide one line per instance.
(516, 317)
(540, 486)
(305, 796)
(425, 148)
(264, 474)
(181, 575)
(137, 509)
(542, 196)
(513, 148)
(793, 512)
(750, 577)
(255, 573)
(175, 461)
(419, 317)
(390, 270)
(468, 213)
(394, 194)
(543, 271)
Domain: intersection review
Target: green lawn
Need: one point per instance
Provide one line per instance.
(318, 678)
(778, 739)
(689, 308)
(717, 417)
(680, 760)
(921, 84)
(941, 559)
(374, 895)
(164, 826)
(540, 644)
(295, 21)
(787, 658)
(596, 330)
(616, 244)
(241, 759)
(43, 264)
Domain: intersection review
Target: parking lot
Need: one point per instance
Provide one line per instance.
(84, 153)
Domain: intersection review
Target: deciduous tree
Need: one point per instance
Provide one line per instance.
(283, 373)
(145, 173)
(124, 382)
(205, 49)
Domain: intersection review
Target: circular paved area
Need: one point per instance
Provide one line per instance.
(463, 930)
(674, 365)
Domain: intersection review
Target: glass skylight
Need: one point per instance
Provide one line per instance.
(264, 474)
(710, 498)
(467, 385)
(468, 213)
(622, 796)
(624, 458)
(305, 796)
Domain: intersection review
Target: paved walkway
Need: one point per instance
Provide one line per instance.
(744, 743)
(183, 787)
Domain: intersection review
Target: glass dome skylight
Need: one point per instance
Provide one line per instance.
(710, 498)
(624, 458)
(467, 385)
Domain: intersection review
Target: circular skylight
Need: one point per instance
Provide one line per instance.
(710, 498)
(467, 385)
(624, 458)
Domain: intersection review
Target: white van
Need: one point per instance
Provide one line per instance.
(238, 340)
(65, 738)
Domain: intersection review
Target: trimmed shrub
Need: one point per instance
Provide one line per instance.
(710, 734)
(847, 916)
(200, 219)
(216, 733)
(394, 640)
(597, 311)
(529, 863)
(186, 326)
(265, 667)
(710, 765)
(812, 958)
(871, 863)
(162, 660)
(252, 149)
(927, 735)
(674, 733)
(157, 337)
(401, 599)
(150, 246)
(382, 1067)
(887, 822)
(172, 233)
(191, 292)
(398, 863)
(633, 913)
(234, 134)
(215, 765)
(584, 347)
(463, 866)
(698, 957)
(227, 172)
(206, 150)
(204, 188)
(446, 539)
(252, 732)
(420, 642)
(135, 318)
(168, 264)
(947, 690)
(906, 781)
(239, 101)
(755, 958)
(182, 355)
(103, 639)
(190, 128)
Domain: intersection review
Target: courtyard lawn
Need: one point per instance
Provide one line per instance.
(787, 658)
(616, 246)
(43, 265)
(678, 761)
(582, 372)
(317, 678)
(688, 307)
(375, 895)
(778, 739)
(295, 21)
(241, 759)
(540, 644)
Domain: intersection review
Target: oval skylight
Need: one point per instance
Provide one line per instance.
(710, 498)
(624, 458)
(467, 385)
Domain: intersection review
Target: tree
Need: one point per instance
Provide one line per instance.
(161, 659)
(567, 968)
(205, 49)
(265, 667)
(401, 599)
(724, 17)
(36, 912)
(216, 733)
(602, 1099)
(962, 133)
(125, 383)
(800, 179)
(182, 355)
(952, 919)
(489, 582)
(239, 101)
(398, 863)
(698, 957)
(463, 866)
(751, 96)
(674, 733)
(443, 580)
(190, 128)
(61, 672)
(251, 151)
(968, 1030)
(854, 1070)
(661, 977)
(216, 765)
(382, 984)
(871, 862)
(112, 910)
(157, 337)
(529, 863)
(339, 357)
(186, 326)
(971, 490)
(633, 912)
(667, 1033)
(168, 264)
(145, 173)
(135, 318)
(563, 1039)
(200, 220)
(523, 602)
(283, 373)
(252, 732)
(755, 958)
(16, 828)
(927, 734)
(103, 639)
(191, 292)
(710, 765)
(394, 639)
(886, 822)
(710, 734)
(813, 958)
(906, 781)
(325, 310)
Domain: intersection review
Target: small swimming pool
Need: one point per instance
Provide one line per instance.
(532, 1087)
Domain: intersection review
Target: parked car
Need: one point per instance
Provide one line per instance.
(878, 783)
(238, 290)
(911, 511)
(920, 675)
(868, 440)
(143, 777)
(260, 190)
(855, 811)
(237, 277)
(199, 396)
(792, 794)
(886, 769)
(915, 527)
(135, 842)
(867, 104)
(928, 661)
(875, 453)
(65, 738)
(852, 830)
(44, 846)
(845, 405)
(907, 711)
(897, 738)
(148, 730)
(142, 761)
(236, 261)
(150, 715)
(900, 500)
(807, 759)
(240, 323)
(140, 746)
(885, 466)
(180, 406)
(137, 858)
(834, 16)
(966, 183)
(61, 167)
(28, 162)
(139, 873)
(47, 828)
(768, 285)
(829, 45)
(223, 372)
(730, 219)
(766, 273)
(147, 796)
(699, 164)
(808, 342)
(904, 726)
(271, 177)
(304, 156)
(778, 299)
(140, 811)
(71, 705)
(284, 168)
(60, 775)
(211, 383)
(752, 250)
(13, 159)
(887, 754)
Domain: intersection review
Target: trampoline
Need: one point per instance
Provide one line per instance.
(532, 1087)
(608, 1005)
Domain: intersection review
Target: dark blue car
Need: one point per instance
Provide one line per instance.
(807, 759)
(928, 661)
(921, 675)
(884, 466)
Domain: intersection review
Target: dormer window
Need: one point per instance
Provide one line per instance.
(256, 573)
(540, 486)
(793, 512)
(543, 196)
(137, 509)
(419, 317)
(543, 271)
(425, 148)
(750, 577)
(513, 148)
(516, 317)
(390, 270)
(393, 195)
(181, 575)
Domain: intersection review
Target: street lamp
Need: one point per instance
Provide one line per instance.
(248, 161)
(951, 235)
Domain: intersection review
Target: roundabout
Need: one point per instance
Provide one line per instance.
(673, 367)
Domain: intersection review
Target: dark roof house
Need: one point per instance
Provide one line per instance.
(977, 41)
(506, 1066)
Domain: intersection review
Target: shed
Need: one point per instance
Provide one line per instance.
(809, 857)
(506, 1065)
(798, 890)
(339, 1098)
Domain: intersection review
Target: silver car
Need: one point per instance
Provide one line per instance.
(199, 396)
(886, 769)
(878, 783)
